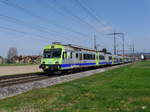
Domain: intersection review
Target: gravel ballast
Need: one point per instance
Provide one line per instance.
(20, 88)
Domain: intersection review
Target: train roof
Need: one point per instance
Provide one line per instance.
(74, 46)
(79, 47)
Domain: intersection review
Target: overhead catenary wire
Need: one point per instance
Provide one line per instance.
(31, 25)
(10, 33)
(24, 32)
(69, 13)
(43, 38)
(77, 3)
(18, 7)
(87, 11)
(39, 27)
(84, 6)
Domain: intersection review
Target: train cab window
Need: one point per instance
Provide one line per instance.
(52, 53)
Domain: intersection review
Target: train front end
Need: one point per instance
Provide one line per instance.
(52, 58)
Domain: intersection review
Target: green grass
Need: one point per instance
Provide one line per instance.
(125, 89)
(17, 64)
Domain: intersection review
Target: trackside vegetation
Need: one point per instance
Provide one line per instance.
(125, 89)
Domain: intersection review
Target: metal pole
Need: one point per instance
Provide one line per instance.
(115, 48)
(123, 44)
(114, 43)
(133, 50)
(95, 47)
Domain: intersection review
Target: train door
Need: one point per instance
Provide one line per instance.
(97, 59)
(77, 57)
(67, 57)
(64, 57)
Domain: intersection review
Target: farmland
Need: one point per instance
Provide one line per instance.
(18, 69)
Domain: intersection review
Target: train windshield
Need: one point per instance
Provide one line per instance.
(52, 53)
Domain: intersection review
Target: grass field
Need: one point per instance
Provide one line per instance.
(125, 89)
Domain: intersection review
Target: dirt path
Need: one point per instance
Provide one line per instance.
(10, 70)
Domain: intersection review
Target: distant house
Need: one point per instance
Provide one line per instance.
(26, 59)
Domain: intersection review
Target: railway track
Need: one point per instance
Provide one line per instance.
(10, 80)
(19, 79)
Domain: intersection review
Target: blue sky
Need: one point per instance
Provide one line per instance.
(68, 21)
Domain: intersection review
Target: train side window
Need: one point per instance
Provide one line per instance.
(93, 56)
(89, 56)
(85, 56)
(101, 57)
(71, 54)
(110, 57)
(77, 55)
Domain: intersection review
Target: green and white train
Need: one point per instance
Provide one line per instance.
(59, 57)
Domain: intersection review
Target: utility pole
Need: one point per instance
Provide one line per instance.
(123, 44)
(115, 49)
(133, 49)
(95, 46)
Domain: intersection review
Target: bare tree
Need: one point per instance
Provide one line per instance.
(11, 53)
